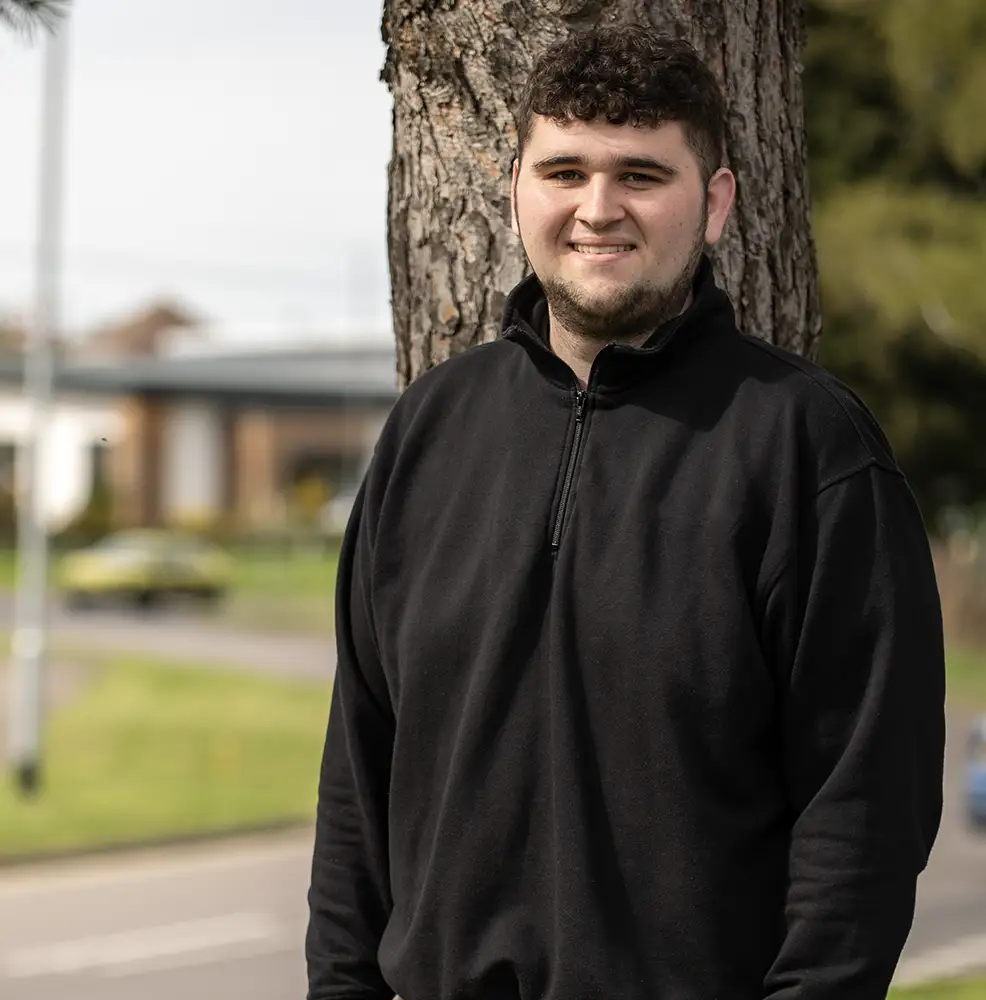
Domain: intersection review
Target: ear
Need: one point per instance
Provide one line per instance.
(514, 224)
(721, 193)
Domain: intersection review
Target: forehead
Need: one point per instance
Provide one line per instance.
(549, 137)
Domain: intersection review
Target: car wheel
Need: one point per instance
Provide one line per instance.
(146, 600)
(76, 600)
(209, 597)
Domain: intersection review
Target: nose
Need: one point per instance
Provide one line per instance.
(600, 204)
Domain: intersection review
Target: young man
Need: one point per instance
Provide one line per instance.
(640, 680)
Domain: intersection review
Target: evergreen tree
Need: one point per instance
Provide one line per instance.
(29, 15)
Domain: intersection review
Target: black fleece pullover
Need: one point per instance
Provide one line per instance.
(639, 690)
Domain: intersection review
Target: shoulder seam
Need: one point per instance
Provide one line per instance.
(869, 463)
(767, 589)
(762, 345)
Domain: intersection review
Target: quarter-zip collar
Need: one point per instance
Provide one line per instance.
(525, 320)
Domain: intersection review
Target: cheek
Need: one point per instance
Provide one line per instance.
(542, 217)
(671, 226)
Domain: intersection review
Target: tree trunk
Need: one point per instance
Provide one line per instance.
(455, 69)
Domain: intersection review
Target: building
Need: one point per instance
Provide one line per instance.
(246, 440)
(79, 429)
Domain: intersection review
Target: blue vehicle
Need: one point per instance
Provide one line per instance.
(975, 775)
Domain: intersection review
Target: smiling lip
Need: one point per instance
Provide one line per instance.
(602, 250)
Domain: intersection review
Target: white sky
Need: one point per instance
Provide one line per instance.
(231, 153)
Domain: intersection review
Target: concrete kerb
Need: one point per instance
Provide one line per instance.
(136, 846)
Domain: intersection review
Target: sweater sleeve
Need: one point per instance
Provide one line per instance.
(855, 623)
(349, 899)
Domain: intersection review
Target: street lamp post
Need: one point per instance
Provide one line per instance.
(28, 643)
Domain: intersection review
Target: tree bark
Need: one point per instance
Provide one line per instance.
(455, 69)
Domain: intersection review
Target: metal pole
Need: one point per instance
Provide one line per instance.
(30, 620)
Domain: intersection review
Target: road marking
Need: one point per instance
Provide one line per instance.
(967, 954)
(63, 875)
(151, 948)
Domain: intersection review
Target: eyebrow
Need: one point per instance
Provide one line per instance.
(621, 162)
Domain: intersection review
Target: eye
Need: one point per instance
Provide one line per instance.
(640, 178)
(564, 175)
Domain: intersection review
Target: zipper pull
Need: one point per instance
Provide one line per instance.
(580, 402)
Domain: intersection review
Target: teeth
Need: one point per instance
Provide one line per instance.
(613, 249)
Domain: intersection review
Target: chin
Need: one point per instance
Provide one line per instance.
(612, 297)
(603, 306)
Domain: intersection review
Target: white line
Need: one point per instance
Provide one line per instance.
(166, 946)
(62, 875)
(190, 959)
(967, 954)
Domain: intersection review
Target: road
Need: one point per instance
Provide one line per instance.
(228, 920)
(949, 932)
(198, 923)
(180, 634)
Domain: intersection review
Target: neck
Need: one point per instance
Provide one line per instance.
(579, 351)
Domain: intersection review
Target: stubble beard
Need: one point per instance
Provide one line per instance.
(634, 311)
(631, 312)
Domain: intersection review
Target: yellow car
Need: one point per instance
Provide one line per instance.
(144, 566)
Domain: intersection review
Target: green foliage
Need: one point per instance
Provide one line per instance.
(910, 256)
(93, 522)
(896, 88)
(8, 517)
(936, 54)
(28, 15)
(856, 127)
(895, 94)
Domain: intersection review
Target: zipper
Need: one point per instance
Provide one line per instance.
(581, 398)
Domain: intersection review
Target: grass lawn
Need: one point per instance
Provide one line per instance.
(7, 567)
(150, 749)
(293, 593)
(969, 989)
(306, 573)
(966, 678)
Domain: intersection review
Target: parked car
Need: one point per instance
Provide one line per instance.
(143, 567)
(975, 775)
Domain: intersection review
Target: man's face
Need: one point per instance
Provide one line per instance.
(613, 219)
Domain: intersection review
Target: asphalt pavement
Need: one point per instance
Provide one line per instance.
(228, 919)
(949, 932)
(204, 923)
(181, 634)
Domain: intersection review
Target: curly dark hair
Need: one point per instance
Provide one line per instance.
(630, 73)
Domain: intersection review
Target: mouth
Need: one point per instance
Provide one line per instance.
(605, 250)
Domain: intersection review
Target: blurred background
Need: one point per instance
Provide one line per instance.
(224, 363)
